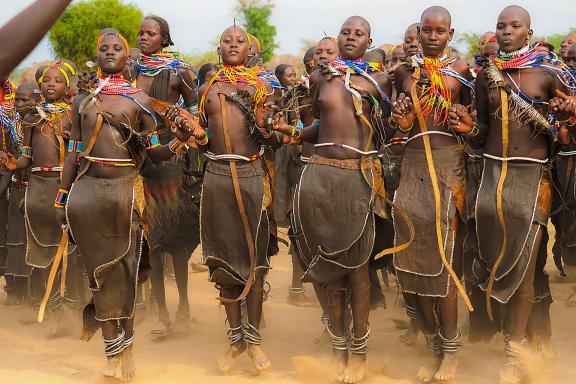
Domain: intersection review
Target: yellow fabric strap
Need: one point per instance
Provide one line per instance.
(499, 209)
(61, 254)
(436, 189)
(378, 187)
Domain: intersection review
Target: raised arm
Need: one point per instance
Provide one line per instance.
(21, 34)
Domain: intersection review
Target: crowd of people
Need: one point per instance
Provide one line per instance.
(408, 160)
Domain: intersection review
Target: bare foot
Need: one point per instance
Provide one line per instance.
(356, 369)
(301, 300)
(546, 349)
(128, 364)
(447, 370)
(197, 268)
(164, 319)
(226, 362)
(259, 359)
(340, 360)
(411, 334)
(54, 324)
(426, 374)
(512, 373)
(181, 325)
(112, 368)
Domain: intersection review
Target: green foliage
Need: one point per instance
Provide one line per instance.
(75, 34)
(470, 40)
(255, 15)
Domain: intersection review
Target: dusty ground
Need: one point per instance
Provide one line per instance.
(26, 356)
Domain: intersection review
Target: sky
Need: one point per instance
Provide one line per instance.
(196, 23)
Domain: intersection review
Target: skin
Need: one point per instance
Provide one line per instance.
(484, 44)
(288, 77)
(53, 85)
(41, 136)
(567, 42)
(150, 42)
(411, 44)
(571, 57)
(333, 105)
(24, 31)
(111, 58)
(434, 34)
(326, 51)
(397, 56)
(513, 30)
(234, 51)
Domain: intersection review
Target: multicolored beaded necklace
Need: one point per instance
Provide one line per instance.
(529, 57)
(152, 64)
(116, 84)
(435, 96)
(237, 75)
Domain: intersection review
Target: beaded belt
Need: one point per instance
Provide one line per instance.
(232, 157)
(18, 181)
(110, 162)
(46, 169)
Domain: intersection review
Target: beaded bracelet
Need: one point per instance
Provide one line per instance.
(26, 151)
(202, 141)
(75, 146)
(176, 145)
(407, 129)
(61, 198)
(295, 136)
(152, 140)
(474, 131)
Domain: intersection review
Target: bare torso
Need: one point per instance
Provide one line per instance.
(339, 123)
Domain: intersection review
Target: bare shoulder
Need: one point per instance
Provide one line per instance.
(32, 118)
(143, 98)
(316, 77)
(382, 78)
(401, 72)
(461, 67)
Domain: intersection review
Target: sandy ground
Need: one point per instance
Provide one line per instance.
(27, 356)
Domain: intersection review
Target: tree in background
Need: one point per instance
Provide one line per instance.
(470, 42)
(75, 34)
(255, 15)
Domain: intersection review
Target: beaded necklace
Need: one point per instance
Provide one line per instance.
(436, 96)
(240, 76)
(152, 64)
(7, 95)
(116, 84)
(528, 57)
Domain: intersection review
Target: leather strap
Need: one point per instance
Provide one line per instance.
(499, 208)
(92, 141)
(61, 254)
(435, 188)
(378, 187)
(241, 207)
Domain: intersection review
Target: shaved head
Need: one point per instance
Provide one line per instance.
(236, 28)
(437, 11)
(360, 19)
(519, 13)
(413, 26)
(29, 87)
